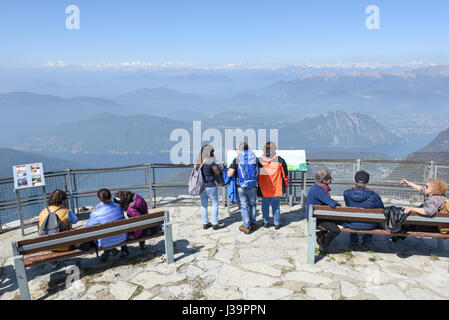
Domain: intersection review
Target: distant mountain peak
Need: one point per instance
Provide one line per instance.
(439, 144)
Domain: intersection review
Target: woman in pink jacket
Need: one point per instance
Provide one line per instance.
(135, 206)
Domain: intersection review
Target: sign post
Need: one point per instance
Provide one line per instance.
(27, 176)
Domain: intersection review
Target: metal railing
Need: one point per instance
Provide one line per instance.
(163, 184)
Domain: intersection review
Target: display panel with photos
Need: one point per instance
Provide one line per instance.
(28, 176)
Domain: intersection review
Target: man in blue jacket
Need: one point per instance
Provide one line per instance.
(107, 211)
(361, 197)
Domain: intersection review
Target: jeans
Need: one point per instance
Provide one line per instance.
(212, 194)
(355, 239)
(275, 208)
(247, 200)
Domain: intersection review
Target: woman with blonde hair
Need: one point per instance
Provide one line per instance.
(434, 193)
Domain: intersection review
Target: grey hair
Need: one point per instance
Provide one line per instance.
(321, 175)
(360, 185)
(242, 146)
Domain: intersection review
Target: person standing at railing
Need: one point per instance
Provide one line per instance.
(434, 193)
(107, 211)
(319, 194)
(273, 179)
(210, 170)
(245, 168)
(361, 197)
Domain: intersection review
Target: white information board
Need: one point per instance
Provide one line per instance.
(295, 159)
(28, 176)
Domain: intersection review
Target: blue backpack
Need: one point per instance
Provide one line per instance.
(248, 172)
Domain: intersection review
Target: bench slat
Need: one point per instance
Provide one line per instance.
(418, 234)
(90, 229)
(87, 238)
(360, 210)
(44, 257)
(372, 220)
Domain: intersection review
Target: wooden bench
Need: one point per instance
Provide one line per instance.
(369, 215)
(37, 251)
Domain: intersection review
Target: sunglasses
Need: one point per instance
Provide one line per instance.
(427, 186)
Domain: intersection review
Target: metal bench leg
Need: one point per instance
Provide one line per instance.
(168, 239)
(21, 274)
(311, 239)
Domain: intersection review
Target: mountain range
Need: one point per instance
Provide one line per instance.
(144, 134)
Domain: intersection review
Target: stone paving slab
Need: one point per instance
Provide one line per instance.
(227, 264)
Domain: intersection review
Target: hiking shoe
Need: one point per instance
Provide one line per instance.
(218, 226)
(206, 226)
(253, 226)
(105, 256)
(320, 241)
(365, 246)
(244, 229)
(323, 251)
(124, 253)
(265, 225)
(114, 252)
(353, 246)
(277, 227)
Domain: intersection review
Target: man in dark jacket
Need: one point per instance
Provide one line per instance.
(361, 197)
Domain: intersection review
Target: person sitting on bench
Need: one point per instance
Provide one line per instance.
(361, 197)
(57, 203)
(434, 196)
(319, 194)
(107, 211)
(135, 206)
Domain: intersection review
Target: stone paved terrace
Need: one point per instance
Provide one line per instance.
(227, 264)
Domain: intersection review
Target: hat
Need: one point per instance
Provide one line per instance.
(362, 177)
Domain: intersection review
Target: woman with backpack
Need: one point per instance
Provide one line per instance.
(57, 204)
(135, 206)
(209, 170)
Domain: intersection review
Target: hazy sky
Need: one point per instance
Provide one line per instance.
(218, 32)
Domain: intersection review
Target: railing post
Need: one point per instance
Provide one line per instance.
(290, 188)
(19, 208)
(303, 187)
(72, 203)
(359, 165)
(150, 187)
(153, 183)
(431, 172)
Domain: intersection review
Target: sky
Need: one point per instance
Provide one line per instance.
(217, 32)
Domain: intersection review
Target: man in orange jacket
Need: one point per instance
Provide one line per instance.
(273, 179)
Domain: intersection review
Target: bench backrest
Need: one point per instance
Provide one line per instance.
(374, 215)
(91, 233)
